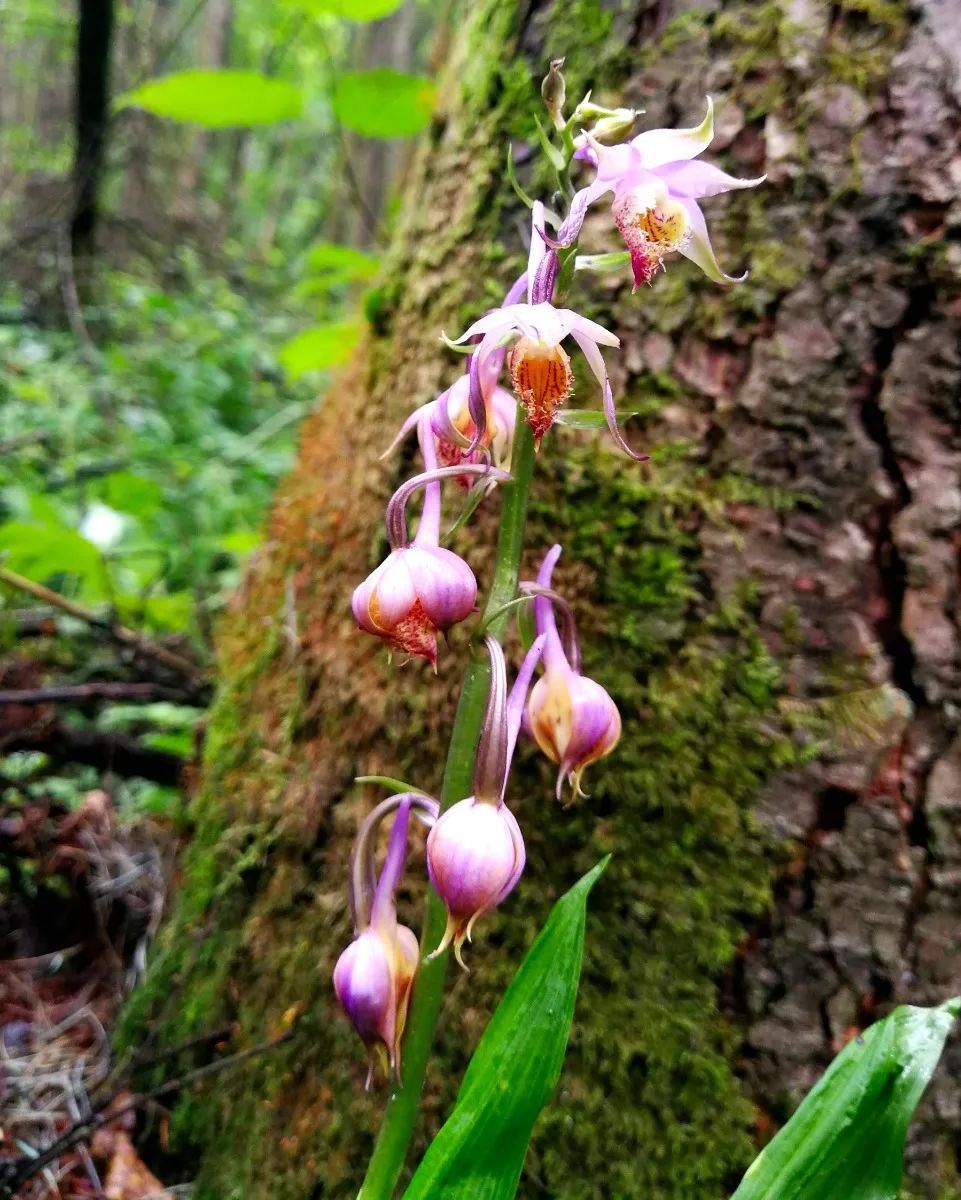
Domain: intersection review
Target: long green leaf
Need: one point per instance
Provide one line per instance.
(479, 1152)
(217, 99)
(846, 1141)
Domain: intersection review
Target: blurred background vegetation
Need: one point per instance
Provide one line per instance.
(193, 196)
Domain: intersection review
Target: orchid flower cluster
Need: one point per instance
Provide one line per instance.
(469, 437)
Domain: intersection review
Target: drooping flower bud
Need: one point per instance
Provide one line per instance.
(571, 717)
(554, 92)
(374, 976)
(421, 589)
(475, 851)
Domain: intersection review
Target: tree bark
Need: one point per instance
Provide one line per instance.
(94, 37)
(773, 604)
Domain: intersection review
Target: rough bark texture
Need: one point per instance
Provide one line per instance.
(774, 605)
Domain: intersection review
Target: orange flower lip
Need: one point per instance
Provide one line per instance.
(542, 379)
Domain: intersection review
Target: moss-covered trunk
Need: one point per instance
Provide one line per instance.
(767, 603)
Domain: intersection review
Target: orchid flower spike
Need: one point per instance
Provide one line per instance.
(374, 976)
(539, 367)
(420, 589)
(572, 718)
(475, 851)
(656, 184)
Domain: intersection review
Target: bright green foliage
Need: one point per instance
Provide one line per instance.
(338, 264)
(319, 348)
(142, 476)
(846, 1141)
(217, 99)
(479, 1153)
(384, 103)
(350, 10)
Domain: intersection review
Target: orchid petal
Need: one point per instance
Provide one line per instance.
(698, 247)
(694, 180)
(538, 248)
(590, 329)
(572, 223)
(495, 321)
(411, 421)
(383, 914)
(596, 362)
(659, 146)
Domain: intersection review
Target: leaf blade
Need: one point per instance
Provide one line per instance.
(479, 1152)
(846, 1141)
(384, 103)
(217, 99)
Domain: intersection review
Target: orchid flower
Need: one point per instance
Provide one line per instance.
(656, 184)
(571, 717)
(539, 367)
(454, 430)
(374, 975)
(475, 852)
(421, 589)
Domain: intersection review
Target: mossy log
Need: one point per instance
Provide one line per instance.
(773, 603)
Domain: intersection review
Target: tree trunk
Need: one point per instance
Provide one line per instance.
(94, 37)
(773, 604)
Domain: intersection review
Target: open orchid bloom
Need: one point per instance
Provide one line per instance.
(420, 589)
(374, 976)
(475, 852)
(656, 184)
(539, 367)
(571, 717)
(453, 428)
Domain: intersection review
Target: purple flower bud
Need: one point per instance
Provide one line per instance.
(573, 720)
(374, 976)
(475, 856)
(475, 851)
(373, 980)
(571, 717)
(416, 593)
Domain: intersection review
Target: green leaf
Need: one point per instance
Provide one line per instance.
(342, 263)
(42, 552)
(217, 99)
(384, 103)
(846, 1141)
(479, 1152)
(319, 348)
(615, 261)
(350, 10)
(130, 493)
(585, 418)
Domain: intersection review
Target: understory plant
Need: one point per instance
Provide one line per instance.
(479, 440)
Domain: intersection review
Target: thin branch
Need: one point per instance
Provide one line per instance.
(16, 1174)
(75, 693)
(127, 637)
(107, 751)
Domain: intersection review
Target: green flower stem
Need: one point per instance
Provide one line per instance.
(400, 1115)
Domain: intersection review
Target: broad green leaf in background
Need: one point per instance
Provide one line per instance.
(350, 10)
(479, 1152)
(217, 99)
(846, 1141)
(43, 552)
(342, 263)
(319, 348)
(384, 103)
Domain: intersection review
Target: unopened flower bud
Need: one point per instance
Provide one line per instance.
(475, 851)
(475, 856)
(374, 976)
(554, 92)
(373, 980)
(571, 717)
(416, 593)
(617, 124)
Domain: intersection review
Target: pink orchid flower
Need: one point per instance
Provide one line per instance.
(656, 184)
